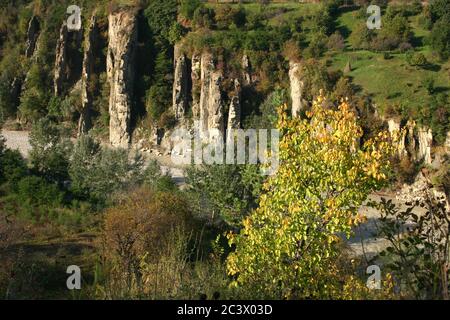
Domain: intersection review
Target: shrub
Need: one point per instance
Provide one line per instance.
(226, 191)
(50, 150)
(317, 45)
(226, 16)
(405, 46)
(99, 173)
(361, 37)
(418, 59)
(188, 7)
(204, 18)
(336, 42)
(138, 231)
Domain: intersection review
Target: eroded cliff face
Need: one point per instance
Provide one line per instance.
(246, 70)
(425, 138)
(181, 85)
(60, 77)
(394, 130)
(122, 35)
(234, 111)
(85, 122)
(297, 88)
(67, 67)
(211, 104)
(406, 140)
(196, 66)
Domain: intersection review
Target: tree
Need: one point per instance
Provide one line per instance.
(439, 9)
(160, 17)
(289, 245)
(188, 7)
(228, 192)
(50, 151)
(419, 244)
(440, 38)
(97, 173)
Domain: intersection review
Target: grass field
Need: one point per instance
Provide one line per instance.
(391, 81)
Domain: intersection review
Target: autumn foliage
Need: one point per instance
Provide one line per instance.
(289, 245)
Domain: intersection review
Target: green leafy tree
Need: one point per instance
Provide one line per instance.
(50, 150)
(228, 192)
(440, 38)
(289, 244)
(97, 173)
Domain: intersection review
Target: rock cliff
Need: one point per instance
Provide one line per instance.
(122, 37)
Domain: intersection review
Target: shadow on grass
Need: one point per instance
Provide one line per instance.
(432, 67)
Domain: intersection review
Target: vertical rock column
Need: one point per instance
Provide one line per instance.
(234, 113)
(411, 139)
(425, 138)
(180, 85)
(246, 70)
(211, 102)
(394, 130)
(85, 123)
(297, 86)
(215, 103)
(120, 70)
(207, 67)
(196, 84)
(60, 75)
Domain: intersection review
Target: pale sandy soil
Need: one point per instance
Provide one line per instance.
(17, 140)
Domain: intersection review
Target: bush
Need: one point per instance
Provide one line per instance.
(188, 7)
(50, 151)
(227, 16)
(12, 166)
(137, 232)
(336, 42)
(405, 46)
(361, 37)
(317, 46)
(203, 18)
(228, 191)
(416, 59)
(99, 173)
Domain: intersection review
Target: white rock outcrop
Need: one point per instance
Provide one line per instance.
(181, 85)
(121, 71)
(297, 88)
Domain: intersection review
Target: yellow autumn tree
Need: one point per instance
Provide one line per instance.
(289, 246)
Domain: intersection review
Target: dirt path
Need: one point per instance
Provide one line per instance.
(17, 140)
